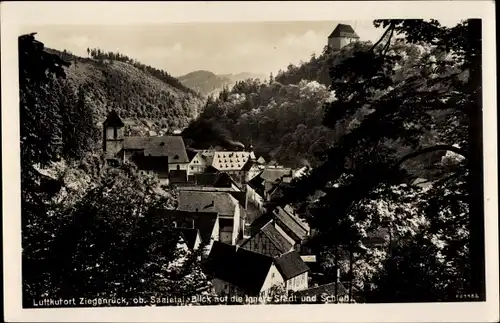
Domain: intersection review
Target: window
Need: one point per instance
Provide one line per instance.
(176, 157)
(192, 167)
(178, 167)
(115, 132)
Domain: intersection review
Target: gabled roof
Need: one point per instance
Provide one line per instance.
(171, 146)
(343, 31)
(203, 221)
(288, 209)
(290, 223)
(290, 265)
(113, 120)
(189, 235)
(271, 175)
(245, 269)
(281, 244)
(230, 160)
(207, 201)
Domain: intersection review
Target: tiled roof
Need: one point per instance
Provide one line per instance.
(230, 160)
(113, 120)
(245, 269)
(203, 221)
(271, 175)
(290, 265)
(288, 209)
(343, 31)
(189, 235)
(207, 201)
(171, 146)
(277, 239)
(290, 223)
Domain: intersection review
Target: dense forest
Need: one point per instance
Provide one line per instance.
(283, 117)
(136, 91)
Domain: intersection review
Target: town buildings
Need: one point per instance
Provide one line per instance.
(247, 250)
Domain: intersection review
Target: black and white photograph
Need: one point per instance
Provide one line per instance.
(248, 164)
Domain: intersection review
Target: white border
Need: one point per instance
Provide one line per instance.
(16, 14)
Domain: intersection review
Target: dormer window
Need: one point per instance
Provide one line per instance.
(176, 157)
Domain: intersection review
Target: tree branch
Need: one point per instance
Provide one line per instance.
(390, 28)
(431, 149)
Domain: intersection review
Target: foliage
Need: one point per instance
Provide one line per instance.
(281, 122)
(99, 54)
(102, 241)
(137, 92)
(405, 105)
(86, 228)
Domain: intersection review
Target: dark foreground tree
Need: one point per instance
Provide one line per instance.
(407, 116)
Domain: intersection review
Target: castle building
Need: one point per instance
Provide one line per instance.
(155, 155)
(342, 36)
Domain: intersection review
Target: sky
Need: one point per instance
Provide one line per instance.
(222, 48)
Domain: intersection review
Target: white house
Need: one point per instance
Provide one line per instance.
(237, 271)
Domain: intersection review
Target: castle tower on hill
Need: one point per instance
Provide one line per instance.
(342, 36)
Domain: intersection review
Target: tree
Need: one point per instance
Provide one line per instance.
(104, 241)
(444, 82)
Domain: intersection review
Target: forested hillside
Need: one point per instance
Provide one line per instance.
(284, 118)
(207, 83)
(136, 91)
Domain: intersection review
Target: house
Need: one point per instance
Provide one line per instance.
(270, 240)
(150, 154)
(201, 161)
(235, 163)
(293, 270)
(206, 224)
(294, 227)
(237, 271)
(341, 36)
(266, 182)
(230, 212)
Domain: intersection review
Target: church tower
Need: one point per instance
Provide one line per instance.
(113, 135)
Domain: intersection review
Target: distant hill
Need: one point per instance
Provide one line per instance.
(138, 92)
(207, 83)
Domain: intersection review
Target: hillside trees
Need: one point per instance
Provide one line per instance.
(406, 107)
(98, 54)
